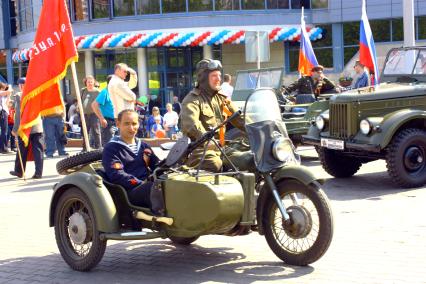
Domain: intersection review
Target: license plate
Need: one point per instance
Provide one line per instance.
(332, 144)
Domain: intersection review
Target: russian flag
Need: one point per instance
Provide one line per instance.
(307, 59)
(367, 50)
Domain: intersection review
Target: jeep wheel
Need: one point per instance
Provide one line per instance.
(76, 162)
(406, 158)
(338, 165)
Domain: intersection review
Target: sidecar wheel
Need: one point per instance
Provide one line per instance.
(307, 237)
(183, 241)
(75, 230)
(75, 162)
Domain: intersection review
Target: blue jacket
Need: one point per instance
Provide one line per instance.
(125, 168)
(362, 81)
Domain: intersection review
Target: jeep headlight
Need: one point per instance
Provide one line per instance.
(365, 126)
(282, 149)
(320, 122)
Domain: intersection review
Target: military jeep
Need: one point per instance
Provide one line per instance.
(297, 116)
(387, 121)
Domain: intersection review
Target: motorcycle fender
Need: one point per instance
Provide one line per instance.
(101, 201)
(300, 173)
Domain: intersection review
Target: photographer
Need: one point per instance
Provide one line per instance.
(121, 93)
(5, 92)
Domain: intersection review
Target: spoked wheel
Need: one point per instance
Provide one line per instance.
(307, 236)
(75, 230)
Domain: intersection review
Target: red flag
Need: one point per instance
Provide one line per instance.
(53, 50)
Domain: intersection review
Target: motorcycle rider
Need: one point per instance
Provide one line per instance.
(205, 107)
(128, 161)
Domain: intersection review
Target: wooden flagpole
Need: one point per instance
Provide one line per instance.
(80, 106)
(20, 156)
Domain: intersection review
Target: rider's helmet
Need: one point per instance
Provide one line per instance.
(203, 69)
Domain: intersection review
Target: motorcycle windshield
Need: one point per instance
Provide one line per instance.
(262, 105)
(264, 128)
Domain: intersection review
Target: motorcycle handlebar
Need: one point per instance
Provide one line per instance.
(210, 134)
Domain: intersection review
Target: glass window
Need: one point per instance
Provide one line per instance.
(148, 6)
(349, 30)
(175, 57)
(421, 23)
(397, 30)
(80, 9)
(278, 4)
(349, 52)
(253, 4)
(200, 5)
(124, 8)
(100, 9)
(13, 18)
(25, 15)
(298, 4)
(152, 56)
(227, 5)
(381, 30)
(174, 6)
(319, 4)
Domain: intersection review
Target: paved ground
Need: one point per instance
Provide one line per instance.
(380, 236)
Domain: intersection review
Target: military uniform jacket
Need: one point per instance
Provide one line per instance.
(125, 168)
(306, 85)
(201, 112)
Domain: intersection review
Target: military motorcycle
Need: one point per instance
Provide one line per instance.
(281, 200)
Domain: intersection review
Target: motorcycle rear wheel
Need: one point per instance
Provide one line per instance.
(310, 231)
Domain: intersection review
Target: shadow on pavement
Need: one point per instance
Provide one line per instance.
(362, 186)
(159, 261)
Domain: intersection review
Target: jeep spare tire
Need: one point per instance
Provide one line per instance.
(76, 162)
(337, 164)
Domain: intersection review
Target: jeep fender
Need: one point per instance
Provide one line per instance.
(101, 201)
(392, 123)
(300, 173)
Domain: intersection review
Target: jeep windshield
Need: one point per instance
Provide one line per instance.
(258, 79)
(406, 62)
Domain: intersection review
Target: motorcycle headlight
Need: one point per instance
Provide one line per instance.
(282, 149)
(320, 122)
(365, 126)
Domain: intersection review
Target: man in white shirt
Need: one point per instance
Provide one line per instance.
(170, 121)
(226, 87)
(120, 91)
(5, 92)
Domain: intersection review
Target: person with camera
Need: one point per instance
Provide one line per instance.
(5, 92)
(120, 89)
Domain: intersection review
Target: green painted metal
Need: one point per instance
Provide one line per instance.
(128, 236)
(202, 207)
(101, 202)
(298, 172)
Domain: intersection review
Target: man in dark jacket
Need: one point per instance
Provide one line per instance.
(128, 161)
(315, 84)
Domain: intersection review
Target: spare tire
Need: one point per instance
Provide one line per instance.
(76, 162)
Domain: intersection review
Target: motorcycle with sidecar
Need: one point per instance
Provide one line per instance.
(281, 200)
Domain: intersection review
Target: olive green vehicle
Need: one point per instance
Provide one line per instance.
(385, 122)
(297, 117)
(282, 200)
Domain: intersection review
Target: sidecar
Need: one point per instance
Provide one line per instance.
(86, 210)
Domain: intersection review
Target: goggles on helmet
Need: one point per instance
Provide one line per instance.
(209, 64)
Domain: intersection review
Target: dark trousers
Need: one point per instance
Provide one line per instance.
(10, 137)
(92, 123)
(141, 195)
(3, 130)
(108, 131)
(53, 127)
(36, 140)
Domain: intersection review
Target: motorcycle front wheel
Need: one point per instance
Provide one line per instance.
(308, 234)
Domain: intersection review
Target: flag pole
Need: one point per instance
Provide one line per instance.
(20, 156)
(80, 107)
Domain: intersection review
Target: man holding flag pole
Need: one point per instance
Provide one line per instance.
(52, 52)
(312, 79)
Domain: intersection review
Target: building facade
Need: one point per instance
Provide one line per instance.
(164, 39)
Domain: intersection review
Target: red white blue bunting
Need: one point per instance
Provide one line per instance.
(177, 39)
